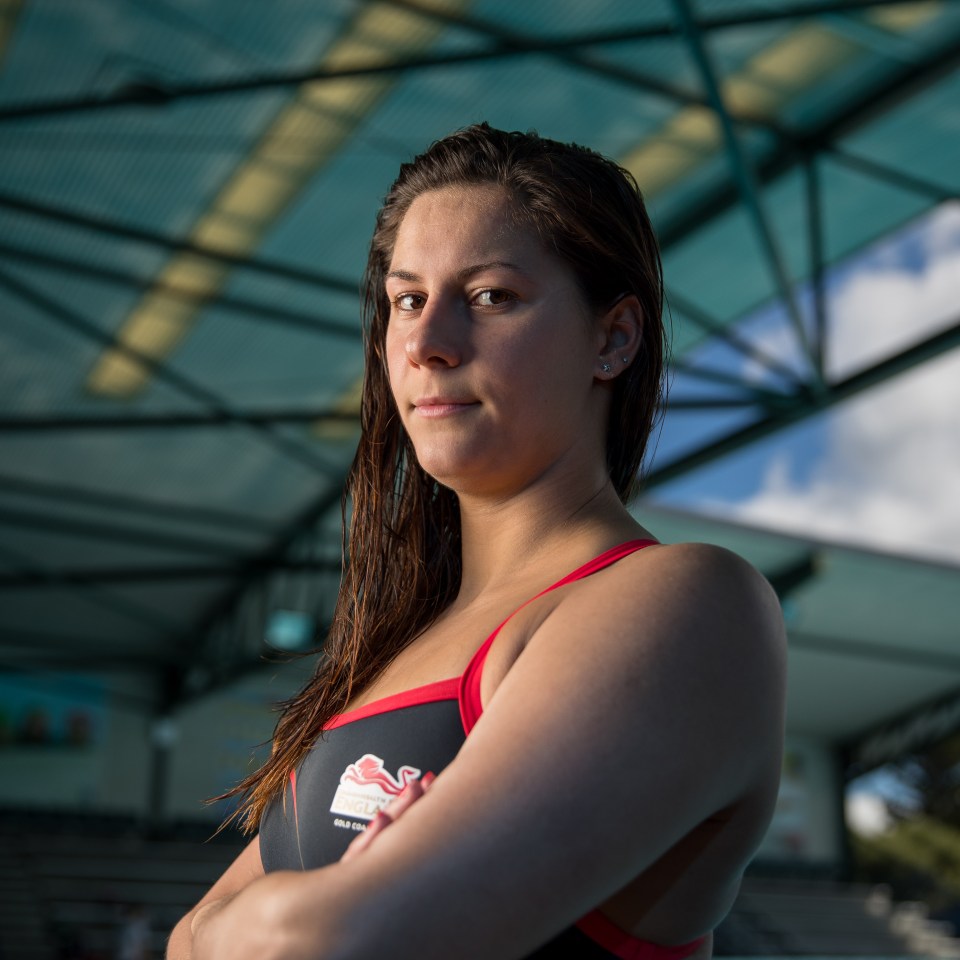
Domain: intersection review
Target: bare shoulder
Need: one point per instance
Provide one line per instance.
(706, 592)
(702, 567)
(685, 640)
(690, 624)
(690, 619)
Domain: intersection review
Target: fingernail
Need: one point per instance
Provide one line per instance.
(428, 778)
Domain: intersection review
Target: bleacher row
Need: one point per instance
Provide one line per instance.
(67, 884)
(824, 918)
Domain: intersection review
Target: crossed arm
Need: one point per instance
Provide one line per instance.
(663, 683)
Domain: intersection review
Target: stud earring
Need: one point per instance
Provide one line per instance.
(605, 367)
(625, 359)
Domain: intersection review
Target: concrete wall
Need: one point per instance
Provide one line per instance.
(209, 744)
(218, 740)
(103, 770)
(807, 826)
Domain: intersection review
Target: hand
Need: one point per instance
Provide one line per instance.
(389, 814)
(267, 919)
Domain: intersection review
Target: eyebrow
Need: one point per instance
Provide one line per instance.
(463, 274)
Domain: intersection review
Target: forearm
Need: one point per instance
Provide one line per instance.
(245, 869)
(180, 944)
(283, 916)
(294, 914)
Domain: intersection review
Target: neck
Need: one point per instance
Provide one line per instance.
(501, 536)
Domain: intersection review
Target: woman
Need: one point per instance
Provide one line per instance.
(624, 724)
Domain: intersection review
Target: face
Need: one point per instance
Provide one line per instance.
(492, 351)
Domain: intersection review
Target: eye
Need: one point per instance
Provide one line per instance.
(492, 298)
(407, 302)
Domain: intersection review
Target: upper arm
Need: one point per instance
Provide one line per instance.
(639, 708)
(647, 701)
(245, 868)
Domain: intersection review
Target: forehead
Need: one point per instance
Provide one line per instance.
(463, 222)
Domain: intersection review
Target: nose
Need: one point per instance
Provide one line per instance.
(435, 338)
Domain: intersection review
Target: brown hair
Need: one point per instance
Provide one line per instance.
(402, 555)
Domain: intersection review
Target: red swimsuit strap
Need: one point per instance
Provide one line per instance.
(469, 695)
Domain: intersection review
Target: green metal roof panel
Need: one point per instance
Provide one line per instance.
(912, 138)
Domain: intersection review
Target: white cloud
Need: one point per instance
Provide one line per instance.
(778, 340)
(877, 311)
(890, 473)
(942, 230)
(867, 814)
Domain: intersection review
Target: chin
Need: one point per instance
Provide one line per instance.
(446, 462)
(445, 474)
(456, 472)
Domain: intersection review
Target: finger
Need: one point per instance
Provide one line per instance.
(356, 847)
(412, 792)
(362, 840)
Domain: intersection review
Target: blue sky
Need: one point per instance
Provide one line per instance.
(880, 470)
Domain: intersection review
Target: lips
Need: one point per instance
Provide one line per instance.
(443, 406)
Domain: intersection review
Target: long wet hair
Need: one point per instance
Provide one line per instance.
(402, 559)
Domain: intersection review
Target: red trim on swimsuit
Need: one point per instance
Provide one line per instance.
(621, 944)
(471, 705)
(428, 693)
(466, 687)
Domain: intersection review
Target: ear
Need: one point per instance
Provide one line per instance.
(619, 337)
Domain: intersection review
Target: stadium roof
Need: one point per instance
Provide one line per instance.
(186, 195)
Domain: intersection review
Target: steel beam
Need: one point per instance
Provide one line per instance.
(629, 77)
(81, 576)
(730, 336)
(119, 698)
(272, 314)
(116, 533)
(911, 731)
(816, 265)
(804, 407)
(45, 644)
(167, 421)
(229, 622)
(903, 83)
(744, 177)
(681, 404)
(154, 238)
(751, 392)
(57, 313)
(785, 580)
(887, 174)
(97, 596)
(154, 94)
(116, 502)
(875, 652)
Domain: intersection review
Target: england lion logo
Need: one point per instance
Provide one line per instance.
(366, 786)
